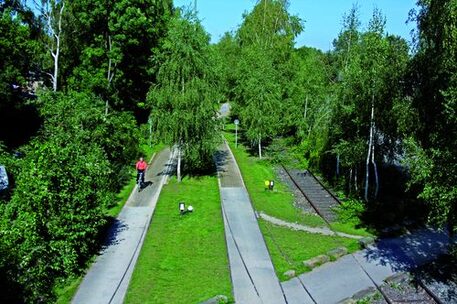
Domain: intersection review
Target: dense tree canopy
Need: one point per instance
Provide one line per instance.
(67, 141)
(184, 100)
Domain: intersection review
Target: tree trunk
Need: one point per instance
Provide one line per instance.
(56, 53)
(350, 180)
(356, 186)
(367, 176)
(150, 132)
(178, 169)
(306, 109)
(375, 174)
(337, 166)
(110, 74)
(260, 147)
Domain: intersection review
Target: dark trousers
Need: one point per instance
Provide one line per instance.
(138, 176)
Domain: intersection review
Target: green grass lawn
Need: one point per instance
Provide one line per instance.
(277, 203)
(289, 248)
(184, 258)
(67, 288)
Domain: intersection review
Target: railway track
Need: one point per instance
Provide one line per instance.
(323, 201)
(320, 199)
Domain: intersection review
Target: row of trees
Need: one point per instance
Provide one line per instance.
(370, 102)
(92, 61)
(110, 65)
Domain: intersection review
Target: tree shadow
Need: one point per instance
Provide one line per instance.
(221, 160)
(111, 234)
(423, 253)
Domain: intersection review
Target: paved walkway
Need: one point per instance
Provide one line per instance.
(316, 230)
(334, 282)
(108, 278)
(253, 276)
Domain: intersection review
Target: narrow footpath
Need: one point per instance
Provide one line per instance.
(253, 277)
(108, 278)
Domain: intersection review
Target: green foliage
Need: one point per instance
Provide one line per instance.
(183, 102)
(258, 92)
(80, 116)
(51, 224)
(265, 41)
(370, 66)
(432, 151)
(18, 52)
(108, 46)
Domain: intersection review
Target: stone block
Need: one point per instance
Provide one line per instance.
(219, 299)
(316, 261)
(364, 293)
(290, 273)
(337, 253)
(366, 241)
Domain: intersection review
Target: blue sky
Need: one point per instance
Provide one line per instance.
(323, 18)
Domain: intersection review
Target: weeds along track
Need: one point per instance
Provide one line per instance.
(323, 201)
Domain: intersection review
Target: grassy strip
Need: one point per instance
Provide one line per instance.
(184, 258)
(289, 248)
(277, 203)
(67, 289)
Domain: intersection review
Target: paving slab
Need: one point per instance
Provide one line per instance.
(243, 286)
(336, 281)
(295, 292)
(107, 279)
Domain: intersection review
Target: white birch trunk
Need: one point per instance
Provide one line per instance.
(55, 52)
(306, 108)
(260, 147)
(337, 165)
(350, 180)
(375, 173)
(178, 169)
(110, 73)
(370, 143)
(356, 186)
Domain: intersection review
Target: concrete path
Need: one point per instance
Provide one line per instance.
(316, 230)
(253, 276)
(334, 282)
(108, 278)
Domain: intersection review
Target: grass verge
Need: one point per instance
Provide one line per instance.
(184, 258)
(289, 248)
(66, 289)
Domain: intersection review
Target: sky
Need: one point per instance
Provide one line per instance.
(323, 18)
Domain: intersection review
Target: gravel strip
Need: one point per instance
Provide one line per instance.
(299, 199)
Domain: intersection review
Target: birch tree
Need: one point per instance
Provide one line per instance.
(266, 40)
(183, 102)
(53, 11)
(368, 87)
